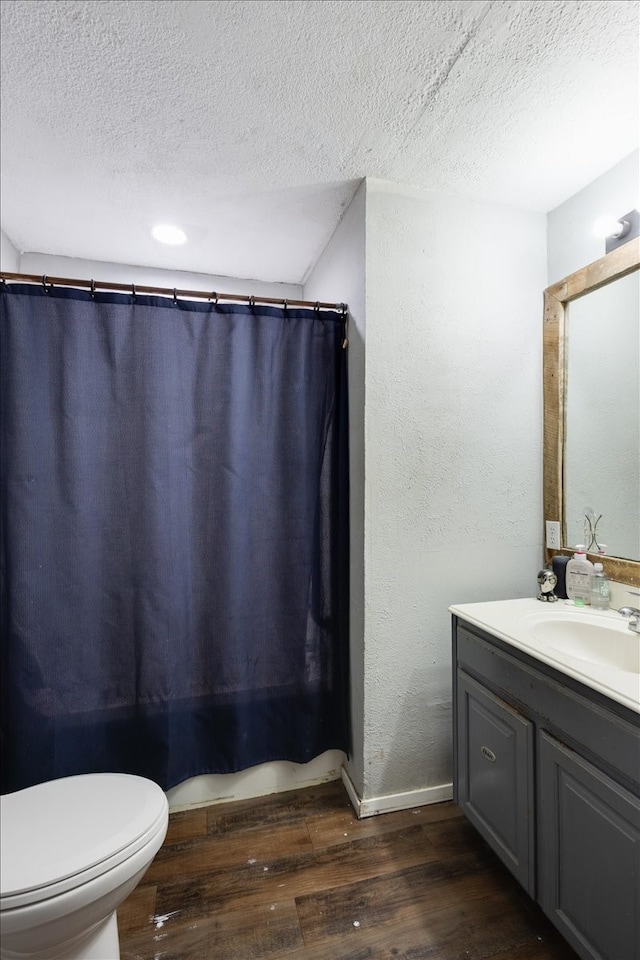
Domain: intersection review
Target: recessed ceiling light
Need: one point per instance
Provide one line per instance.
(165, 233)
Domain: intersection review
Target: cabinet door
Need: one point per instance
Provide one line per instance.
(495, 775)
(588, 854)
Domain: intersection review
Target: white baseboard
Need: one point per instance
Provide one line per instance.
(351, 791)
(395, 801)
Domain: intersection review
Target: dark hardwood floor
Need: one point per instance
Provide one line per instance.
(297, 876)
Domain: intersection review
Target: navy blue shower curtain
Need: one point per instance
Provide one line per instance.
(174, 543)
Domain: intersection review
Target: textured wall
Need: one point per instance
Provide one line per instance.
(79, 269)
(340, 275)
(9, 256)
(453, 458)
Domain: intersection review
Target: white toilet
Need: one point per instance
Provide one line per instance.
(71, 850)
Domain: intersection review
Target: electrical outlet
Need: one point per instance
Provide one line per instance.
(553, 534)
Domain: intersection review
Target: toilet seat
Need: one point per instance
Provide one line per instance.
(61, 834)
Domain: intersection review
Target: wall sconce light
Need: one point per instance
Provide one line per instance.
(617, 232)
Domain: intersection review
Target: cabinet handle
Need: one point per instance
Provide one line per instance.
(488, 754)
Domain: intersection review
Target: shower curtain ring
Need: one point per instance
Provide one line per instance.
(252, 302)
(44, 283)
(93, 289)
(175, 296)
(133, 289)
(316, 307)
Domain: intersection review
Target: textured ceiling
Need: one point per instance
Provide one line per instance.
(251, 122)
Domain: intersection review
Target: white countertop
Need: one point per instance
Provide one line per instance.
(509, 620)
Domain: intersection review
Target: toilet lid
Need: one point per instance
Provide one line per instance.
(62, 828)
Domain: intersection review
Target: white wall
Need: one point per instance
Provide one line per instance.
(608, 366)
(78, 269)
(339, 275)
(453, 441)
(452, 469)
(9, 256)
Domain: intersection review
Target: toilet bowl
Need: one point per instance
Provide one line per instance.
(71, 850)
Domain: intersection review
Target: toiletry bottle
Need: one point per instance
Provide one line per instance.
(559, 566)
(600, 590)
(578, 577)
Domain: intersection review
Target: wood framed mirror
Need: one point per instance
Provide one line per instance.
(608, 269)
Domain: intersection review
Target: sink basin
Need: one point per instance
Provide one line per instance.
(597, 640)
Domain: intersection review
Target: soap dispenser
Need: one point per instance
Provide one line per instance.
(578, 580)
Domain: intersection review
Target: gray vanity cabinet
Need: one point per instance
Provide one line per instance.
(548, 771)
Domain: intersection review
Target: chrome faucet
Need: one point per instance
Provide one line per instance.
(634, 617)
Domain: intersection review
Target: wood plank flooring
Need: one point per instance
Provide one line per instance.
(297, 876)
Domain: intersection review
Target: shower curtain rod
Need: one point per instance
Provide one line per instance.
(172, 292)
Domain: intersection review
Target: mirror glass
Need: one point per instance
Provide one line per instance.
(602, 419)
